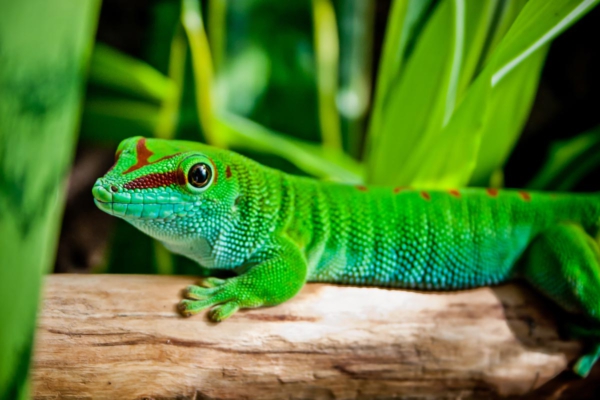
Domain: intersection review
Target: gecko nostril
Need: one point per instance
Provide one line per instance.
(114, 189)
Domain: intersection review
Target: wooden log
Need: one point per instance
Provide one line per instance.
(118, 336)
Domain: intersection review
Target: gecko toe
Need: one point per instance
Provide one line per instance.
(197, 293)
(211, 282)
(223, 311)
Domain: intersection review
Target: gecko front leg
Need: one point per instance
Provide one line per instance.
(276, 274)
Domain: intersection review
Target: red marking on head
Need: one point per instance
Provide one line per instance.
(492, 192)
(215, 172)
(362, 188)
(399, 189)
(156, 180)
(525, 196)
(143, 154)
(454, 192)
(228, 172)
(426, 195)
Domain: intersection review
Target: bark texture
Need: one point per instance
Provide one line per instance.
(118, 336)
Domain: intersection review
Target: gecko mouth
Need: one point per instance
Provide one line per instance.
(139, 206)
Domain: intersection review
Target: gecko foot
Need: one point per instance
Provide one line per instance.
(219, 295)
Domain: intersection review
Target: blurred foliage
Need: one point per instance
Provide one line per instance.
(569, 162)
(44, 49)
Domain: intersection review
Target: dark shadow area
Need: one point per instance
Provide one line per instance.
(566, 104)
(551, 318)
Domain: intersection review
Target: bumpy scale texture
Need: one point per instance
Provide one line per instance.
(278, 231)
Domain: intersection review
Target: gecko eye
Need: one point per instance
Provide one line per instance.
(199, 175)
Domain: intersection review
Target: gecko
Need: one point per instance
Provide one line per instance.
(277, 231)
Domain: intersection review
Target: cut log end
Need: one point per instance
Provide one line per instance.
(117, 336)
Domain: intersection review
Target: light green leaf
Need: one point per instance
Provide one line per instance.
(193, 25)
(117, 71)
(327, 49)
(453, 155)
(507, 12)
(420, 103)
(242, 133)
(510, 103)
(403, 20)
(217, 31)
(538, 23)
(479, 18)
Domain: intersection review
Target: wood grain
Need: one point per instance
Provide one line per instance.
(119, 336)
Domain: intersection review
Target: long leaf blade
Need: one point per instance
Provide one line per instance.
(311, 158)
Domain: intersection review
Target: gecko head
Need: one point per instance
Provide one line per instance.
(168, 189)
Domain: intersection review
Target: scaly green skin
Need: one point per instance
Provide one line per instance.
(278, 231)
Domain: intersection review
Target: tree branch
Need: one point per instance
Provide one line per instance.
(118, 336)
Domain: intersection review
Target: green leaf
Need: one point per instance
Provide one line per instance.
(452, 157)
(569, 161)
(356, 22)
(425, 139)
(193, 25)
(510, 103)
(217, 31)
(114, 70)
(506, 14)
(327, 49)
(422, 101)
(479, 19)
(538, 23)
(45, 50)
(515, 66)
(403, 21)
(242, 133)
(169, 111)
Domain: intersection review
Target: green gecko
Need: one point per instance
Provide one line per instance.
(277, 231)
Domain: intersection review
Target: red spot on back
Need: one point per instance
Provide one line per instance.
(156, 180)
(362, 188)
(426, 195)
(143, 154)
(228, 172)
(399, 189)
(492, 192)
(525, 196)
(454, 192)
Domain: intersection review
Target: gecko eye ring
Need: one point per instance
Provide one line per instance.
(199, 175)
